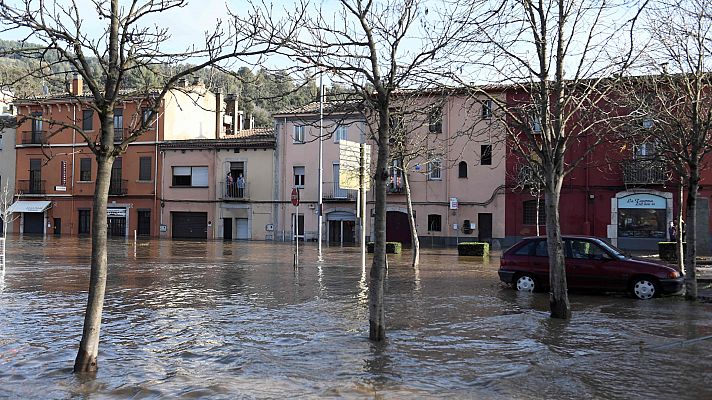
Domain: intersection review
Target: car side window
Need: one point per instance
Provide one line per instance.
(526, 249)
(541, 249)
(583, 249)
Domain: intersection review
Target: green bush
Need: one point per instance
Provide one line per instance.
(391, 247)
(473, 249)
(667, 250)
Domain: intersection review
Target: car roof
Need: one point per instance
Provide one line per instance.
(565, 237)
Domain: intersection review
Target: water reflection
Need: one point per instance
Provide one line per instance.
(235, 319)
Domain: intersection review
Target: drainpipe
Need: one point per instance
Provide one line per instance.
(156, 206)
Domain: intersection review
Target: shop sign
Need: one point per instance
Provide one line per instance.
(116, 212)
(454, 204)
(642, 200)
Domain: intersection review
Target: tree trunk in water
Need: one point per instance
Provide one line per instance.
(691, 236)
(376, 318)
(558, 296)
(538, 195)
(678, 222)
(411, 221)
(86, 360)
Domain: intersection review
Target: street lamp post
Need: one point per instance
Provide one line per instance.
(321, 162)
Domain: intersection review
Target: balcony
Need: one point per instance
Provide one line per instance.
(34, 137)
(332, 191)
(644, 171)
(32, 186)
(230, 191)
(118, 187)
(395, 185)
(120, 134)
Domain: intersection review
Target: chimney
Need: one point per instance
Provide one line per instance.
(77, 85)
(252, 121)
(240, 122)
(231, 110)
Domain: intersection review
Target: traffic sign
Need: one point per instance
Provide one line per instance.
(295, 197)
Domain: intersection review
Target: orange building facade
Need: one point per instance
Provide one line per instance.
(56, 170)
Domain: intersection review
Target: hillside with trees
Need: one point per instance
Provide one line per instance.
(261, 92)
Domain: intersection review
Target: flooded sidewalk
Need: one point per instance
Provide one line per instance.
(228, 320)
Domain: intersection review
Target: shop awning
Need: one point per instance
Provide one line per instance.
(23, 206)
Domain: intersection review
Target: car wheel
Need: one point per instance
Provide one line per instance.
(525, 283)
(644, 288)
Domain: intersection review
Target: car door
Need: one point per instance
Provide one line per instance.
(539, 261)
(587, 264)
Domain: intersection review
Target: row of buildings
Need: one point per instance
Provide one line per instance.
(198, 173)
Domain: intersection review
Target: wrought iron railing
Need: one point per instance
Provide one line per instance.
(31, 186)
(234, 191)
(332, 191)
(644, 171)
(118, 187)
(34, 137)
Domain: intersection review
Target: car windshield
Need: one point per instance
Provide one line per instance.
(612, 249)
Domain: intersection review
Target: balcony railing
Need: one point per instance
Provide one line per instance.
(643, 171)
(233, 191)
(332, 191)
(118, 187)
(34, 137)
(32, 186)
(395, 185)
(119, 134)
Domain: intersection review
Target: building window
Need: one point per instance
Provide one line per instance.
(435, 120)
(85, 169)
(434, 222)
(462, 169)
(435, 168)
(486, 154)
(87, 120)
(144, 171)
(341, 133)
(536, 124)
(487, 109)
(529, 209)
(145, 115)
(395, 177)
(190, 176)
(645, 150)
(299, 177)
(298, 134)
(118, 124)
(84, 222)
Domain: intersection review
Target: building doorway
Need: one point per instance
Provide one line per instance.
(397, 227)
(227, 229)
(484, 225)
(33, 223)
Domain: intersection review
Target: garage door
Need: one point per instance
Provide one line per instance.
(33, 222)
(186, 225)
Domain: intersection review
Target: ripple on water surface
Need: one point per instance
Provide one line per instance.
(230, 320)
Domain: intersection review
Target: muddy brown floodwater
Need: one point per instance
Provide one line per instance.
(233, 320)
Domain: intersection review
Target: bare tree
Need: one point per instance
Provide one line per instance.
(6, 200)
(374, 49)
(558, 59)
(129, 41)
(675, 104)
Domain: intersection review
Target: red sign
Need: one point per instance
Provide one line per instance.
(295, 197)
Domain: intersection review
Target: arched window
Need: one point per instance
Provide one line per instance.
(462, 170)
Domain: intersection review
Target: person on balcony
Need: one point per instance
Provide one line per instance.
(228, 179)
(240, 186)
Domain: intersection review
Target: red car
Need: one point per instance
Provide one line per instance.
(591, 263)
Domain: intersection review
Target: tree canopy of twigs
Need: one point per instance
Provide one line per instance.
(129, 40)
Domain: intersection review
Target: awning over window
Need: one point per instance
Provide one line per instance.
(24, 206)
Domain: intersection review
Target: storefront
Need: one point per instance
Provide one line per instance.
(639, 219)
(34, 217)
(117, 221)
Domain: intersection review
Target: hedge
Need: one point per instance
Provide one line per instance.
(391, 247)
(667, 250)
(473, 249)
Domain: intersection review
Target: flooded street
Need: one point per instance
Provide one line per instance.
(233, 320)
